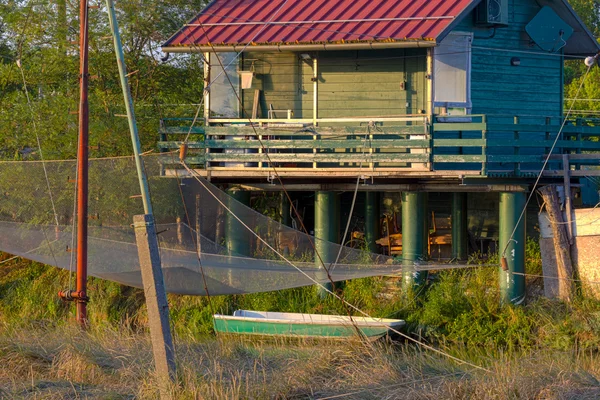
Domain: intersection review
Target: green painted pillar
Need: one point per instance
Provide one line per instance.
(372, 214)
(512, 287)
(237, 237)
(414, 245)
(327, 229)
(285, 210)
(459, 226)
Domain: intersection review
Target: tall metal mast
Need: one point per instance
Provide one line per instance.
(82, 167)
(147, 240)
(80, 294)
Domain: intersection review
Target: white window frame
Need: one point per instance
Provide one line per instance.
(215, 69)
(466, 105)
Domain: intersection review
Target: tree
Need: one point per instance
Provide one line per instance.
(48, 54)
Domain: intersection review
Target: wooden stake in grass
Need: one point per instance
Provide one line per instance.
(156, 301)
(562, 246)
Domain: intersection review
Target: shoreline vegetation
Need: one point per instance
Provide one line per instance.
(542, 350)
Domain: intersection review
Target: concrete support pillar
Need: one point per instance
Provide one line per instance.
(414, 231)
(237, 237)
(512, 287)
(327, 229)
(459, 226)
(372, 214)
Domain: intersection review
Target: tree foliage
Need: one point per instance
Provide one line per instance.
(43, 36)
(589, 12)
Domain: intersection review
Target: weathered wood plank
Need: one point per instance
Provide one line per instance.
(514, 158)
(318, 157)
(458, 158)
(459, 142)
(562, 247)
(459, 126)
(323, 132)
(181, 130)
(354, 144)
(319, 144)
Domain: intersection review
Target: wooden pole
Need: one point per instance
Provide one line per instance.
(198, 227)
(156, 301)
(562, 247)
(568, 201)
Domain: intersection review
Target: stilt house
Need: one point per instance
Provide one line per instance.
(440, 96)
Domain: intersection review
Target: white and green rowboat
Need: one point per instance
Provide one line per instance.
(302, 325)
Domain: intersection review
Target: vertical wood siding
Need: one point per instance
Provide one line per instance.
(351, 83)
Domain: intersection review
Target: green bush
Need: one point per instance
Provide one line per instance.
(459, 308)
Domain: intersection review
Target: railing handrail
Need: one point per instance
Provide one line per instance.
(481, 144)
(407, 118)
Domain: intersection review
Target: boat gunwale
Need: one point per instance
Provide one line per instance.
(337, 320)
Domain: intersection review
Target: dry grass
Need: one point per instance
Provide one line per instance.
(64, 363)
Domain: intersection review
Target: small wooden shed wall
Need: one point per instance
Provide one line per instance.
(388, 82)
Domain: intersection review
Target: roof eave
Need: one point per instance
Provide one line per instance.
(302, 47)
(586, 31)
(458, 20)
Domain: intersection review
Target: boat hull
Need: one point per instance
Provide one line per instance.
(302, 325)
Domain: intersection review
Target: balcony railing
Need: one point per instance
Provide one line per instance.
(473, 145)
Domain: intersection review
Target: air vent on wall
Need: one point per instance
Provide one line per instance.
(492, 13)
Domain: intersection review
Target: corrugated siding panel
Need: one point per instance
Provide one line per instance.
(235, 22)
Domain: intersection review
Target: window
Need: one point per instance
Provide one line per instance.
(452, 72)
(223, 100)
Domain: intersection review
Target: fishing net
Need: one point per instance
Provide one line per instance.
(201, 230)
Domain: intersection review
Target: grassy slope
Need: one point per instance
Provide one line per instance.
(545, 349)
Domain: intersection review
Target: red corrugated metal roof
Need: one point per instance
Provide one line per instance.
(281, 22)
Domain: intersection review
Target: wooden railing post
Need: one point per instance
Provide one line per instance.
(260, 152)
(484, 146)
(578, 123)
(517, 165)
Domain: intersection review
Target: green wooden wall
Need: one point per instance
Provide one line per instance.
(351, 83)
(280, 77)
(372, 83)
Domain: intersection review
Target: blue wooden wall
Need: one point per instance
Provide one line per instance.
(533, 88)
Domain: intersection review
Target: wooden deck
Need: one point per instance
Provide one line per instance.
(408, 148)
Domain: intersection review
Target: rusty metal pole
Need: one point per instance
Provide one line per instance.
(82, 168)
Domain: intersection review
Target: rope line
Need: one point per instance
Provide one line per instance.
(30, 251)
(272, 165)
(245, 47)
(37, 137)
(512, 235)
(355, 195)
(197, 242)
(323, 287)
(555, 277)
